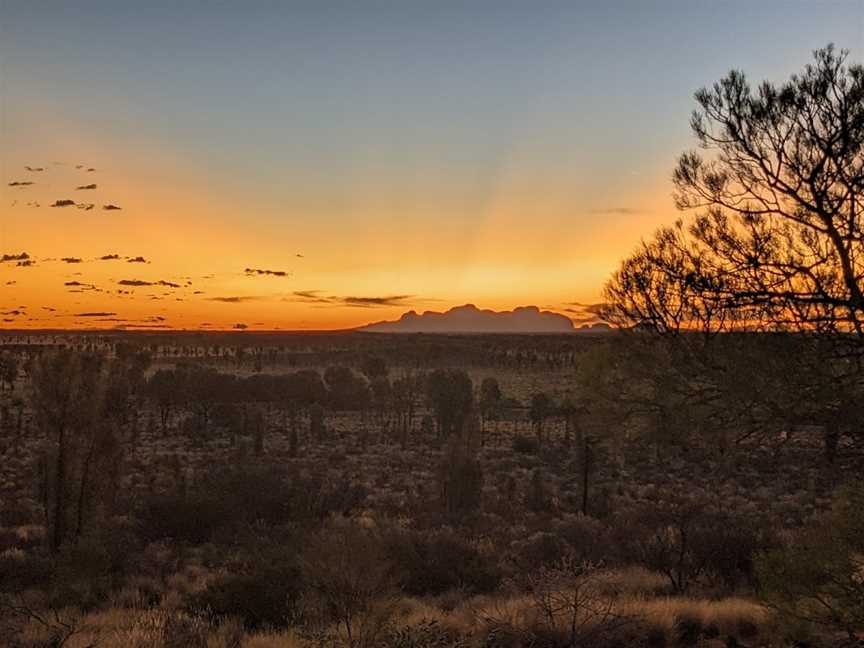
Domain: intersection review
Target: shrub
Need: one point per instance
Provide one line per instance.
(688, 628)
(432, 564)
(525, 445)
(20, 571)
(817, 578)
(263, 598)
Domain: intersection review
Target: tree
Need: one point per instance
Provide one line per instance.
(572, 605)
(165, 388)
(407, 390)
(351, 582)
(374, 367)
(460, 475)
(348, 391)
(542, 407)
(778, 241)
(676, 540)
(317, 425)
(66, 389)
(537, 498)
(382, 397)
(490, 402)
(817, 577)
(8, 371)
(451, 397)
(776, 244)
(82, 402)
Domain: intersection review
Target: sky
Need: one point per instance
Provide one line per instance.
(321, 165)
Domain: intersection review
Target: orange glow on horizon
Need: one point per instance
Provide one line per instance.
(526, 244)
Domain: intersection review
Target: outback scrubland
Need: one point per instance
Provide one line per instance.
(365, 490)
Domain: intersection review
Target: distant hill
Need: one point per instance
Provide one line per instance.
(470, 319)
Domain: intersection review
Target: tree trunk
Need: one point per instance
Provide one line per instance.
(59, 531)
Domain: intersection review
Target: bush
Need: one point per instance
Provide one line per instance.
(817, 578)
(525, 445)
(541, 549)
(440, 562)
(20, 571)
(264, 598)
(688, 628)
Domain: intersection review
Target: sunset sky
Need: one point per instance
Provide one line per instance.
(383, 156)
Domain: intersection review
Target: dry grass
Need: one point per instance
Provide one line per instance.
(155, 628)
(285, 639)
(726, 615)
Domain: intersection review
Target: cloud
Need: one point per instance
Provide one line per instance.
(139, 283)
(14, 257)
(624, 211)
(375, 302)
(34, 169)
(310, 297)
(63, 203)
(21, 183)
(110, 207)
(70, 260)
(257, 271)
(85, 206)
(585, 313)
(142, 326)
(26, 263)
(95, 314)
(233, 300)
(592, 309)
(137, 259)
(316, 297)
(85, 187)
(109, 257)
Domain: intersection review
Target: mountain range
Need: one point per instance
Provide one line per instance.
(470, 319)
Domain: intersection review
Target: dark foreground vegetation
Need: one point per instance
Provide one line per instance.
(596, 491)
(692, 479)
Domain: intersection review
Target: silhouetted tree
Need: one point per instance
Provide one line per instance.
(317, 427)
(374, 367)
(779, 240)
(542, 407)
(460, 475)
(165, 389)
(82, 401)
(351, 582)
(451, 396)
(8, 371)
(347, 390)
(490, 402)
(407, 390)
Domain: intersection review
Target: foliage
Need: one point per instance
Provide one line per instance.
(819, 576)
